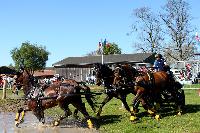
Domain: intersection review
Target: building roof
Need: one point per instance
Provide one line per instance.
(7, 70)
(108, 59)
(43, 73)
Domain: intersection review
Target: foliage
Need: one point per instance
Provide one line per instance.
(148, 27)
(33, 57)
(111, 48)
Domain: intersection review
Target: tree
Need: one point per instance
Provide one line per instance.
(109, 48)
(177, 20)
(34, 57)
(92, 53)
(148, 27)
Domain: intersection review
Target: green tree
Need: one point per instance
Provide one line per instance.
(34, 57)
(111, 48)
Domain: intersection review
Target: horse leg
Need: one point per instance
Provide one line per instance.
(14, 90)
(148, 104)
(134, 110)
(19, 118)
(75, 113)
(180, 101)
(153, 111)
(107, 99)
(81, 107)
(88, 97)
(64, 106)
(123, 99)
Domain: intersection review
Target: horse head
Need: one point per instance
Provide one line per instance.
(119, 75)
(103, 74)
(24, 79)
(124, 74)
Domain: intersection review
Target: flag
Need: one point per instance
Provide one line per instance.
(108, 45)
(99, 45)
(197, 37)
(104, 43)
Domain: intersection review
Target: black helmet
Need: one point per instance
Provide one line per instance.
(158, 56)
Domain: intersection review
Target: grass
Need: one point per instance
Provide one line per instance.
(192, 86)
(115, 120)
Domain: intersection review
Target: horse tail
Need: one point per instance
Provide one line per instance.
(88, 95)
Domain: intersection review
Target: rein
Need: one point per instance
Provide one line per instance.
(146, 84)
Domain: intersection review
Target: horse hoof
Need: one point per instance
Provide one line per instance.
(56, 123)
(21, 121)
(133, 118)
(16, 123)
(90, 125)
(157, 117)
(179, 114)
(150, 112)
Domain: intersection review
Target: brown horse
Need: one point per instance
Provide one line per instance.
(149, 86)
(106, 76)
(61, 93)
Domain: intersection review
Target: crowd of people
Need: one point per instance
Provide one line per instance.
(9, 79)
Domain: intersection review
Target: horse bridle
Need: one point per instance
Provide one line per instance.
(121, 74)
(101, 76)
(30, 78)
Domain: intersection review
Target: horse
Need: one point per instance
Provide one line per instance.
(149, 85)
(105, 75)
(61, 93)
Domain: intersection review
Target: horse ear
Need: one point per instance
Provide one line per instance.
(21, 69)
(93, 73)
(21, 65)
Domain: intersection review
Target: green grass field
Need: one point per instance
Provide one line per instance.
(116, 120)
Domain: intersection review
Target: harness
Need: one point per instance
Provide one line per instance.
(35, 93)
(150, 84)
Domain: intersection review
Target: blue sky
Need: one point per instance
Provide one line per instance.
(71, 27)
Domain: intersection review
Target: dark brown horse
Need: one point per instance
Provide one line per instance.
(149, 86)
(106, 76)
(61, 93)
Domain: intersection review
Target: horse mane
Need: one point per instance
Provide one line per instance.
(27, 81)
(107, 74)
(129, 72)
(107, 70)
